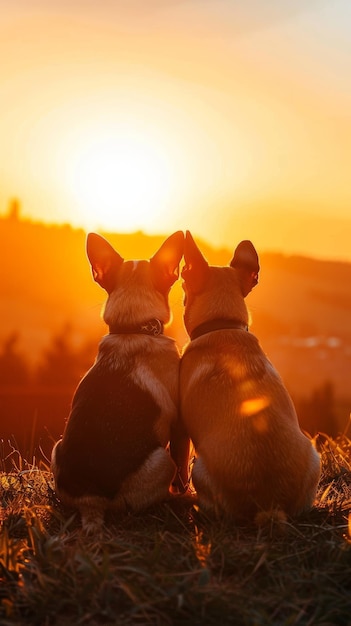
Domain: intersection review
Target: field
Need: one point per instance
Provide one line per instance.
(172, 564)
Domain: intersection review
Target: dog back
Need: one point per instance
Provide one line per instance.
(126, 404)
(252, 455)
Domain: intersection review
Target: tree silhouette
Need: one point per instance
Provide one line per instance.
(317, 413)
(14, 369)
(14, 210)
(62, 363)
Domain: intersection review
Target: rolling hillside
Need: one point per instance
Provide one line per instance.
(300, 304)
(301, 309)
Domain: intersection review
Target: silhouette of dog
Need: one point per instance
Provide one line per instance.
(113, 451)
(252, 458)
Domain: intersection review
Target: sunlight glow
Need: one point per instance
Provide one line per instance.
(202, 547)
(254, 406)
(121, 180)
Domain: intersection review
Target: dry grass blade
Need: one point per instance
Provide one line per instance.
(173, 565)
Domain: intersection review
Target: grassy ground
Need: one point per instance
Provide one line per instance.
(173, 565)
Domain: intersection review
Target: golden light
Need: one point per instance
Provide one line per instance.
(254, 406)
(254, 409)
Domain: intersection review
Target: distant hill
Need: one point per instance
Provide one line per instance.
(301, 309)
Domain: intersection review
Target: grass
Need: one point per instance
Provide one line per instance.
(172, 564)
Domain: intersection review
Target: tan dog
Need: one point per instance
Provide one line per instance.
(112, 454)
(252, 457)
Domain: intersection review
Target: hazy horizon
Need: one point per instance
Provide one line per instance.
(249, 232)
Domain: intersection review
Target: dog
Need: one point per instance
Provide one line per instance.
(112, 455)
(252, 459)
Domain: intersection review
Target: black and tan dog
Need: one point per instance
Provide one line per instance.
(113, 451)
(252, 457)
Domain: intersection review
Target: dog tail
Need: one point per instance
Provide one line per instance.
(92, 520)
(271, 520)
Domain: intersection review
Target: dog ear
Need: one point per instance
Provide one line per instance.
(195, 271)
(245, 260)
(165, 262)
(104, 260)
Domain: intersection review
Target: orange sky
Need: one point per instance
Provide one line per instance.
(231, 119)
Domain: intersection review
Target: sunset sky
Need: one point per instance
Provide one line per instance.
(228, 118)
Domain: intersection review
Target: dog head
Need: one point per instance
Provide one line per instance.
(217, 293)
(137, 290)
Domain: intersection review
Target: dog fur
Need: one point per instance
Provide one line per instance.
(251, 456)
(113, 451)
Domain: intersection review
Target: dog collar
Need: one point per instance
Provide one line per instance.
(153, 327)
(208, 327)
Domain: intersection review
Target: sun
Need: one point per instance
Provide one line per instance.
(120, 180)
